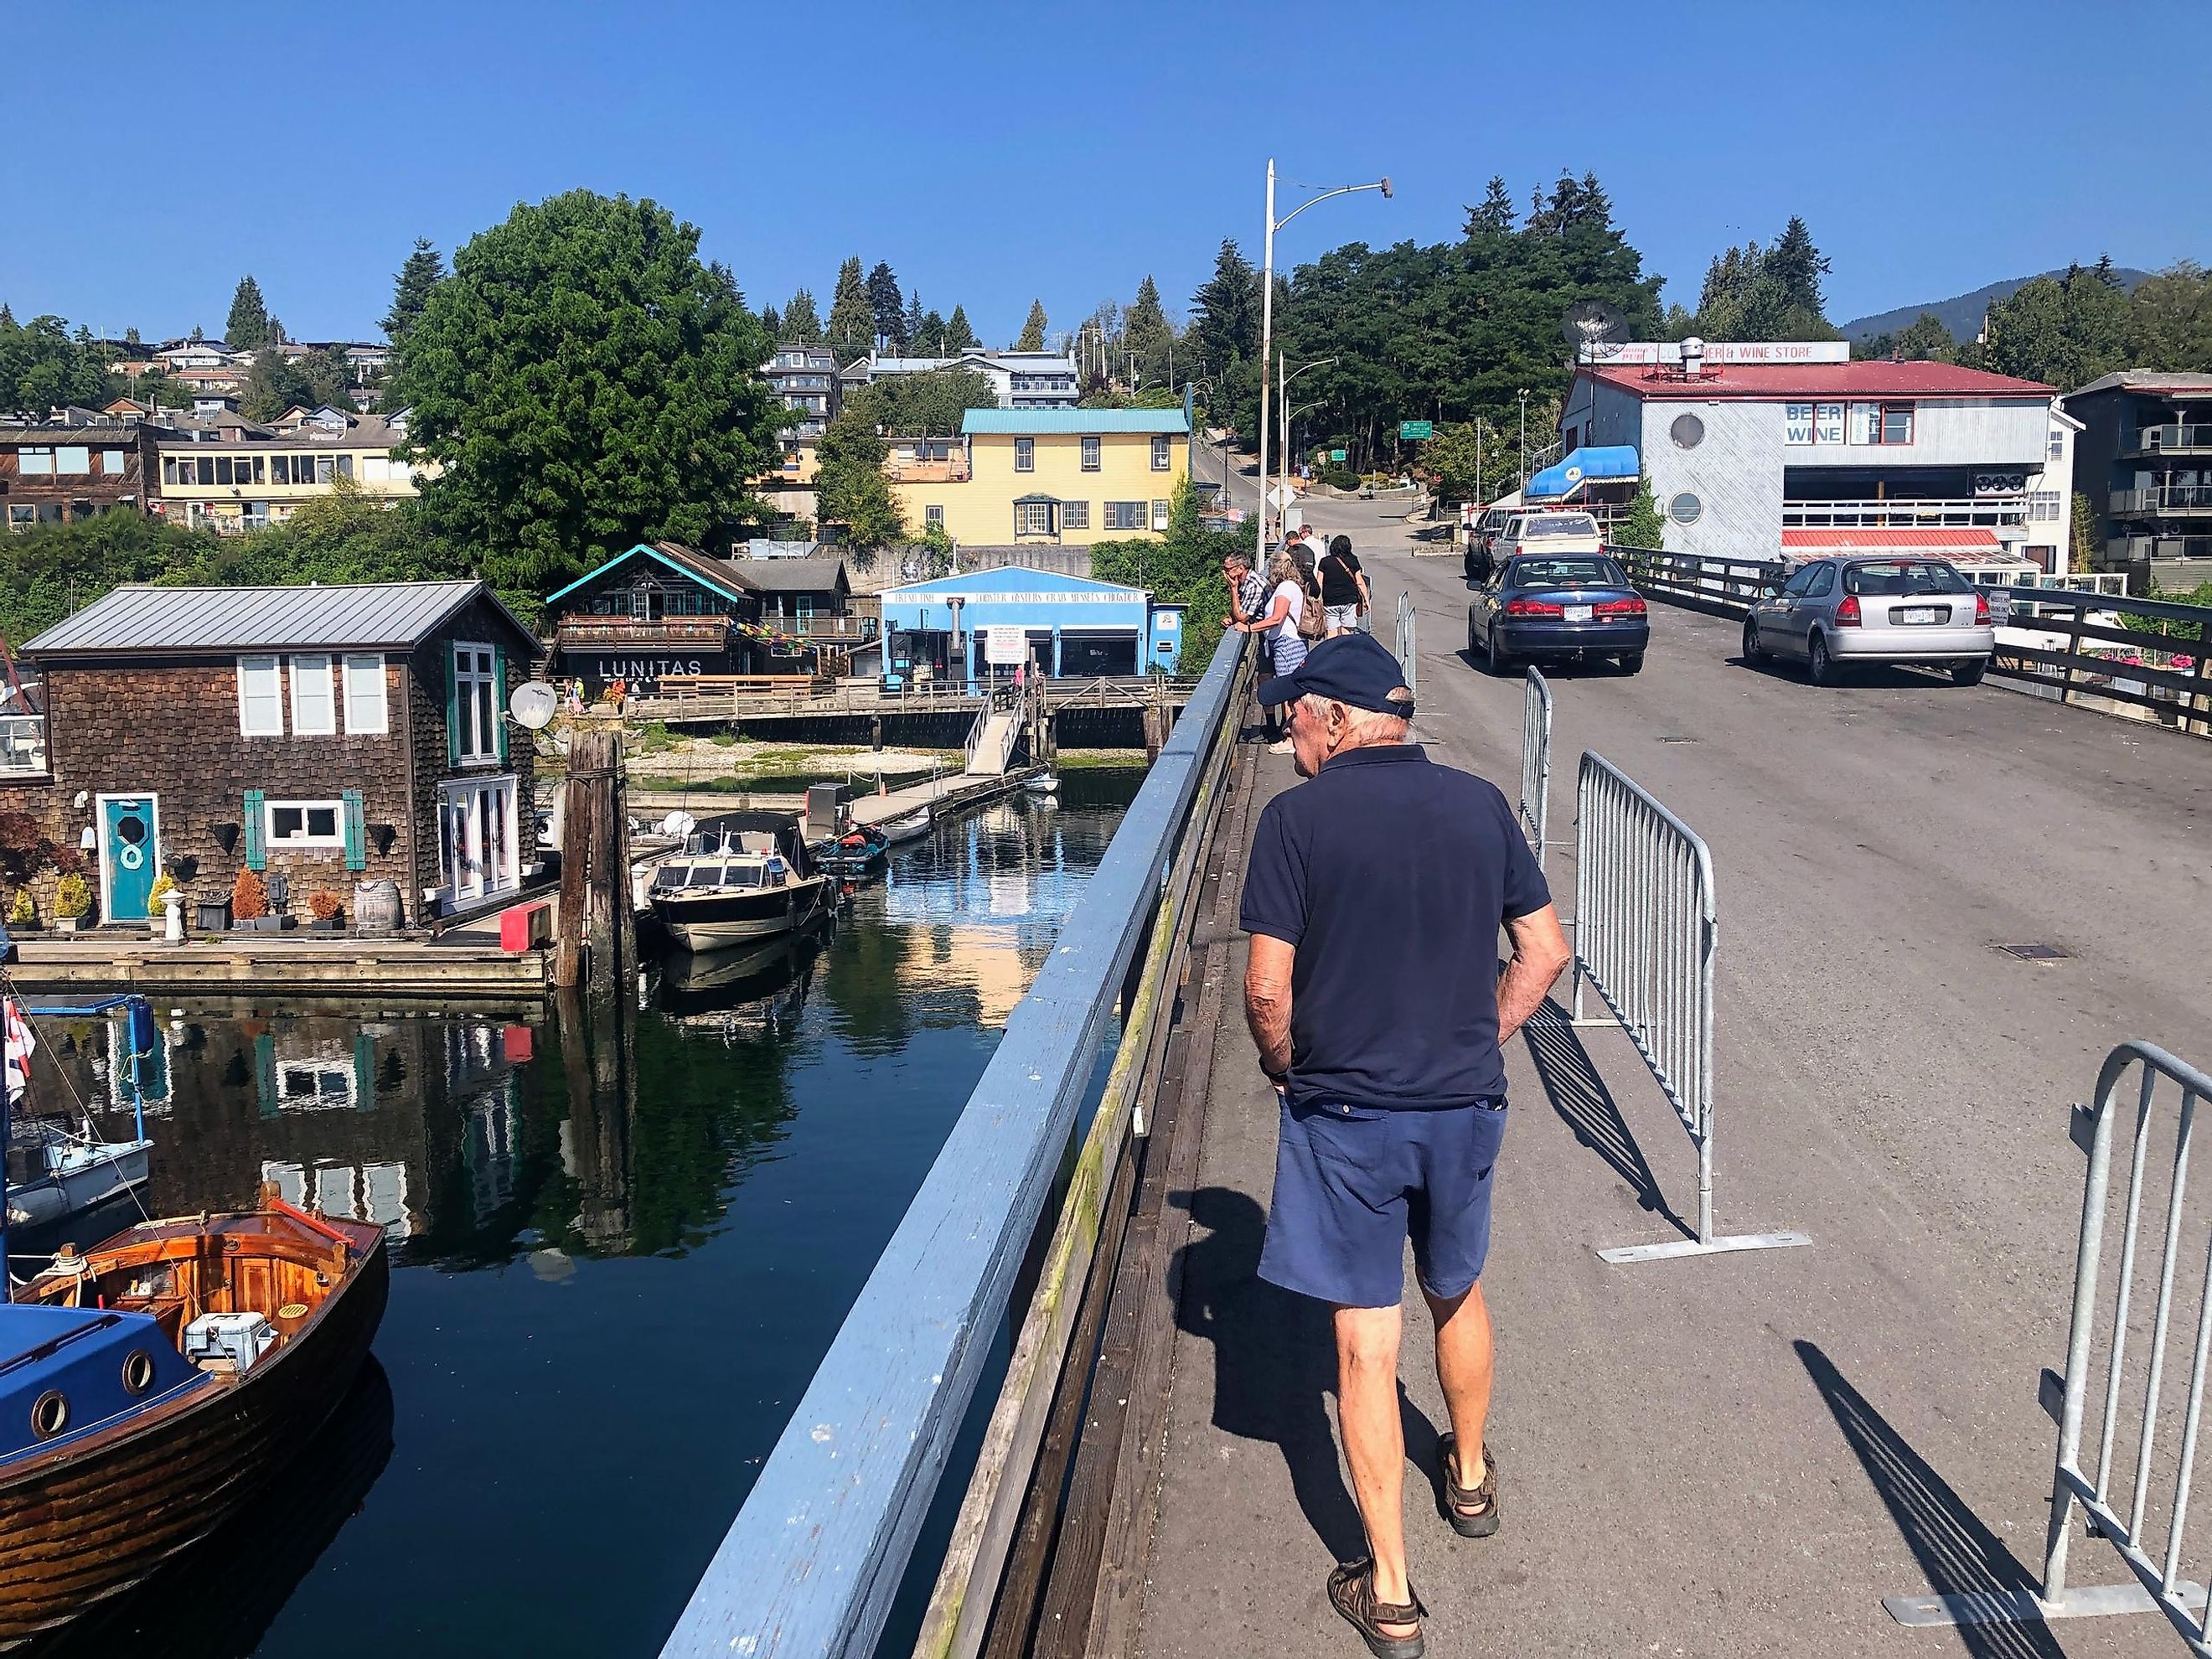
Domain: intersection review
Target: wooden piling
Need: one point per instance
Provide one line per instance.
(597, 930)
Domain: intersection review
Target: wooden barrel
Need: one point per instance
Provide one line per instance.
(376, 906)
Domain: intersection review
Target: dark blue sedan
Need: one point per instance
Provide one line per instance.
(1561, 606)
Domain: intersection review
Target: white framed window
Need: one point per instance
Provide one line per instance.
(1025, 454)
(1075, 515)
(35, 460)
(1035, 519)
(303, 824)
(1159, 515)
(73, 457)
(476, 702)
(111, 462)
(315, 711)
(1125, 515)
(1090, 455)
(365, 710)
(260, 697)
(933, 515)
(1160, 455)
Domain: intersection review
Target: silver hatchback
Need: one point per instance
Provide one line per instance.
(1833, 613)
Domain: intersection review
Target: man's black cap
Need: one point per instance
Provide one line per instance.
(1354, 669)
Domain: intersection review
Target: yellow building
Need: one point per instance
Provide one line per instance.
(241, 476)
(1046, 477)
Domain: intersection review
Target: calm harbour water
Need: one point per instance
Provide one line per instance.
(609, 1290)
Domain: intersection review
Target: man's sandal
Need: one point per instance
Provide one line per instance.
(1351, 1591)
(1472, 1510)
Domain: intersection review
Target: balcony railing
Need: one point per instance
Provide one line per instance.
(1987, 512)
(951, 472)
(2165, 498)
(713, 631)
(849, 627)
(2175, 437)
(22, 745)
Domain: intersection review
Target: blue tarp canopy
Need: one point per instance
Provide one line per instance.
(1556, 484)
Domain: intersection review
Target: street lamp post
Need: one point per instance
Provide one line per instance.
(1283, 376)
(1267, 321)
(1524, 447)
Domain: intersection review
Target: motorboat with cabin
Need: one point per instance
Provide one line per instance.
(740, 876)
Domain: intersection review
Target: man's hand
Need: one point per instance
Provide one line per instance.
(1540, 952)
(1267, 1003)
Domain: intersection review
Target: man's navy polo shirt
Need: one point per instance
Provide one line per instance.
(1391, 876)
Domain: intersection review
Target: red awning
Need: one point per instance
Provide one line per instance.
(1978, 544)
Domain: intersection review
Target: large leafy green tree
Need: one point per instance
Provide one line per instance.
(921, 405)
(276, 381)
(851, 320)
(43, 366)
(249, 317)
(2171, 325)
(2063, 330)
(585, 383)
(851, 489)
(1183, 567)
(1033, 330)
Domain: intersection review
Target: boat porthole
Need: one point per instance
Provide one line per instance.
(50, 1415)
(138, 1371)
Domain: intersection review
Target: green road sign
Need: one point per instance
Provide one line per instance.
(1336, 454)
(1410, 430)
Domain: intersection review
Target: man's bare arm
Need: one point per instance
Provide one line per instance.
(1540, 952)
(1268, 1001)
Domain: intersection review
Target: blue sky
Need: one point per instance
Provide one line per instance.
(994, 153)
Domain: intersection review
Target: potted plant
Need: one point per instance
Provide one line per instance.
(323, 909)
(72, 901)
(23, 913)
(249, 902)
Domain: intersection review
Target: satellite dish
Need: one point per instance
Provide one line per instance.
(1592, 323)
(534, 704)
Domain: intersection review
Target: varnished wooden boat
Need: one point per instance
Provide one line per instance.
(133, 1474)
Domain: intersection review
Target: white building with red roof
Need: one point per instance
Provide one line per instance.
(1762, 449)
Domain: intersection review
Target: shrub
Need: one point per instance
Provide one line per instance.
(249, 896)
(74, 898)
(24, 912)
(724, 740)
(164, 884)
(1337, 475)
(321, 905)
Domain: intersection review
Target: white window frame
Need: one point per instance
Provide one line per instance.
(366, 672)
(1025, 454)
(246, 727)
(488, 869)
(270, 841)
(301, 669)
(465, 702)
(1094, 451)
(1162, 455)
(1159, 514)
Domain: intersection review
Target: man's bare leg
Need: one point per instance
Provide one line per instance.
(1464, 1367)
(1375, 1441)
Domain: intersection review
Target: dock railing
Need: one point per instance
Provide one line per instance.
(814, 1559)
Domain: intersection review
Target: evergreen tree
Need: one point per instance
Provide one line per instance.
(249, 317)
(196, 336)
(1755, 293)
(801, 326)
(852, 323)
(959, 333)
(1145, 331)
(887, 307)
(43, 366)
(1797, 267)
(2061, 331)
(584, 383)
(932, 336)
(422, 271)
(1643, 526)
(1496, 212)
(1224, 313)
(1033, 330)
(2170, 324)
(910, 325)
(772, 324)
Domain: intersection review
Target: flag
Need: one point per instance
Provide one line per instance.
(17, 1048)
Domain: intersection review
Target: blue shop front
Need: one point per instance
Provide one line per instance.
(991, 622)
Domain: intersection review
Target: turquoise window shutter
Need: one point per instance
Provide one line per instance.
(256, 855)
(452, 706)
(356, 832)
(499, 697)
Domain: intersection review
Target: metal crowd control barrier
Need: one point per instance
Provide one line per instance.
(1537, 763)
(812, 1562)
(1644, 937)
(1404, 643)
(2158, 1584)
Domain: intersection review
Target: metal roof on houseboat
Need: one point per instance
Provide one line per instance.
(190, 621)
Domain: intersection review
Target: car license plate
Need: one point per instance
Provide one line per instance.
(1578, 613)
(1921, 613)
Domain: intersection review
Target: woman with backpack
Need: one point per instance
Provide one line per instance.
(1291, 623)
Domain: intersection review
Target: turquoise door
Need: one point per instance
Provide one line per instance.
(129, 855)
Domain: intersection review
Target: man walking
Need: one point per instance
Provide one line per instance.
(1374, 899)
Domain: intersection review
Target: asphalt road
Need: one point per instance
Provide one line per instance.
(1742, 1454)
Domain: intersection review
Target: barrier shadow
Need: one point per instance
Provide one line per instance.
(1274, 1366)
(1959, 1555)
(1586, 1106)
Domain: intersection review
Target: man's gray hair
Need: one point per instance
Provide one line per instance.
(1364, 726)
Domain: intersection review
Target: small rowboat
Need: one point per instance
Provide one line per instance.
(151, 1386)
(1044, 783)
(913, 827)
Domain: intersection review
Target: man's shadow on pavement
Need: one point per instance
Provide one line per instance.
(1274, 1365)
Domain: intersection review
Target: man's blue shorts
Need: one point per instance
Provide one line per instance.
(1352, 1182)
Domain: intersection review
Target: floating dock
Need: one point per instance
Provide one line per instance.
(469, 964)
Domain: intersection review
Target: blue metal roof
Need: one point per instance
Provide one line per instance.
(1007, 578)
(1038, 423)
(1558, 481)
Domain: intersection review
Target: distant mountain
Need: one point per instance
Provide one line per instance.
(1962, 315)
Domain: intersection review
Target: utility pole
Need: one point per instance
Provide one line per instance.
(1267, 339)
(1524, 447)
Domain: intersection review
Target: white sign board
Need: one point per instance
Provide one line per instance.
(1004, 645)
(1720, 351)
(1812, 424)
